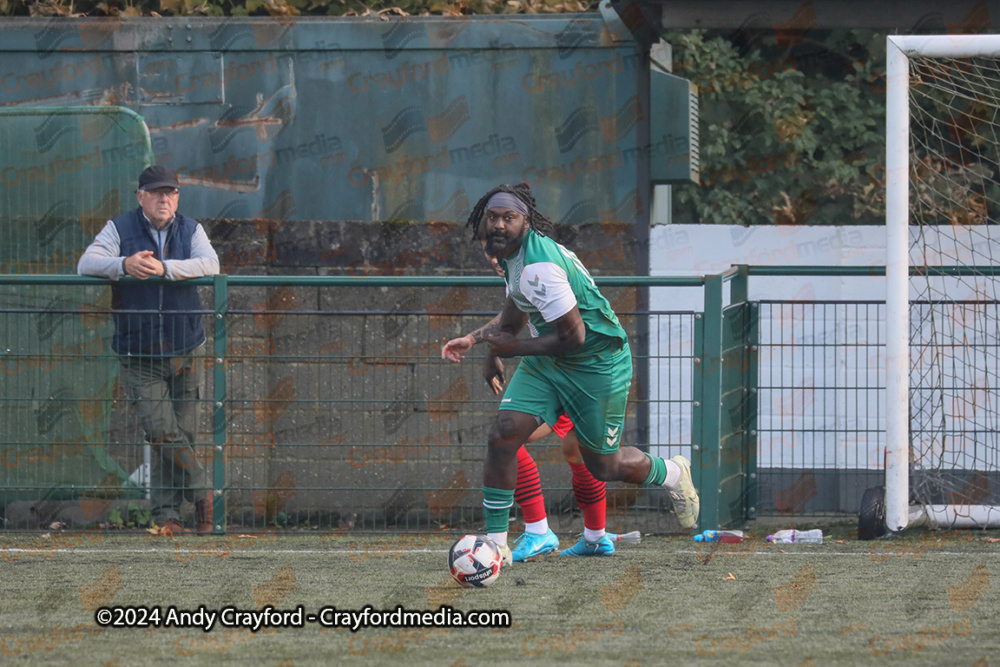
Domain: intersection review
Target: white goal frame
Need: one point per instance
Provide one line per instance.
(899, 49)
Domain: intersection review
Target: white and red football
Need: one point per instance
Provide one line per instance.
(475, 561)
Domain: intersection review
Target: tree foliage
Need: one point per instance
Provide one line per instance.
(135, 8)
(788, 134)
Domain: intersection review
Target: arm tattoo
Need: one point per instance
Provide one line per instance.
(490, 327)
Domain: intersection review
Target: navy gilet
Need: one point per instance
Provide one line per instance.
(158, 320)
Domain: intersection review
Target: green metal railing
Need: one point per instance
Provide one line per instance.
(327, 404)
(820, 396)
(326, 414)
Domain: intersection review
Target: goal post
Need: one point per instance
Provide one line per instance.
(942, 331)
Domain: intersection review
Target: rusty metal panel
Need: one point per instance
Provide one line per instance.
(185, 78)
(357, 119)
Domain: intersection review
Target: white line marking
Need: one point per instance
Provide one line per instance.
(866, 554)
(375, 552)
(215, 552)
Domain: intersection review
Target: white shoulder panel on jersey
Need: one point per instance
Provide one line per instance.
(547, 287)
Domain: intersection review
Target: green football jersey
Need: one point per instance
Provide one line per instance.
(545, 280)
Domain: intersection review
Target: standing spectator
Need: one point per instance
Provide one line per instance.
(159, 335)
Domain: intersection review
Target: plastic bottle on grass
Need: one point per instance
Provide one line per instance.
(724, 536)
(793, 536)
(633, 537)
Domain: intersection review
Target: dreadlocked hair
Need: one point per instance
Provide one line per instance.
(541, 224)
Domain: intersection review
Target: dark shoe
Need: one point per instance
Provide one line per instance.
(203, 515)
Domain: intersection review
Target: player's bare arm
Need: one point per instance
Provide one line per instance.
(455, 349)
(493, 373)
(569, 334)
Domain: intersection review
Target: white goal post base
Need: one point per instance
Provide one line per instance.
(954, 516)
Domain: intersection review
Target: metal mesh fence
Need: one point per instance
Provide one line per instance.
(318, 415)
(821, 420)
(821, 429)
(328, 406)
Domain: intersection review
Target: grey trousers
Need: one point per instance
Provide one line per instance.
(166, 394)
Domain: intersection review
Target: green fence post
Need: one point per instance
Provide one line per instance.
(697, 406)
(738, 403)
(746, 383)
(739, 289)
(221, 291)
(750, 468)
(705, 452)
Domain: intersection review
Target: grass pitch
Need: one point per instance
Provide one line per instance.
(924, 599)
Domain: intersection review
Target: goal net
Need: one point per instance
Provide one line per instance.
(943, 205)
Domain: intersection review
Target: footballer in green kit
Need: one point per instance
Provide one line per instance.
(578, 362)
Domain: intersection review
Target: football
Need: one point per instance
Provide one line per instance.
(474, 561)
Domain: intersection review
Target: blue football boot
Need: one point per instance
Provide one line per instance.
(602, 547)
(530, 545)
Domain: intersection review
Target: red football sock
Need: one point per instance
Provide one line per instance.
(528, 494)
(590, 496)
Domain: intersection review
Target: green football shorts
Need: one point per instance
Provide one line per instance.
(591, 387)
